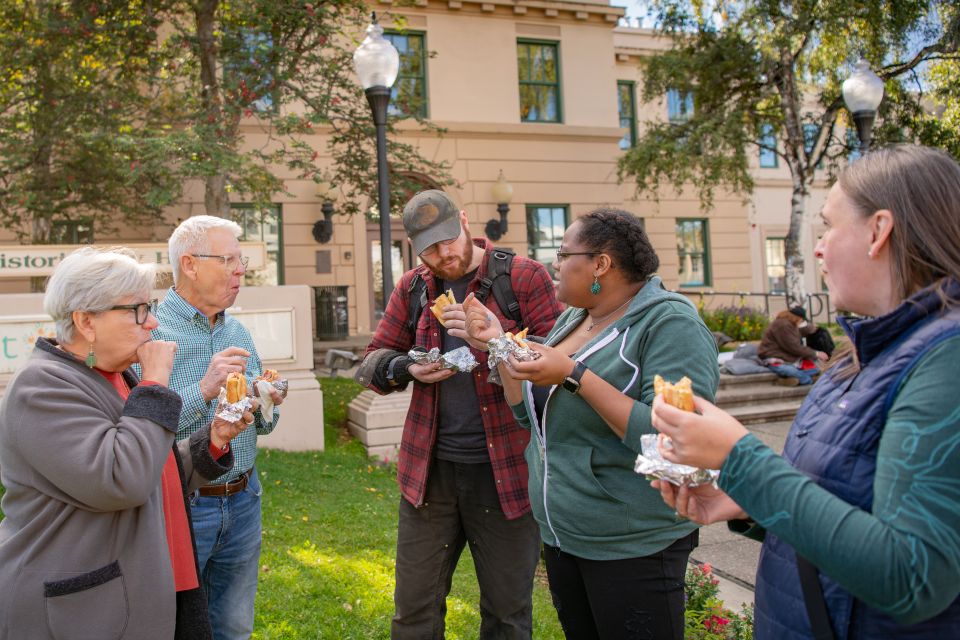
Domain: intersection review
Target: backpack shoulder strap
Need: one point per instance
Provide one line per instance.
(498, 281)
(417, 302)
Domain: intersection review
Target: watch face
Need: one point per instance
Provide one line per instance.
(571, 385)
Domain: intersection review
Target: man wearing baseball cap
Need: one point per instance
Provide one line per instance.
(461, 470)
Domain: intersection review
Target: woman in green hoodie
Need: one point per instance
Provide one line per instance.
(615, 554)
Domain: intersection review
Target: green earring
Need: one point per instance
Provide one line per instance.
(595, 287)
(91, 360)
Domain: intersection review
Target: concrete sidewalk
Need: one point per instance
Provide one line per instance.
(733, 557)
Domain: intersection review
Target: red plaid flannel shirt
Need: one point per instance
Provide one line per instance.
(506, 440)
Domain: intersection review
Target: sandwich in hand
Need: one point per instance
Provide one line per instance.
(518, 338)
(443, 300)
(236, 387)
(269, 375)
(679, 395)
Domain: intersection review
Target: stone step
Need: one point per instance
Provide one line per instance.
(761, 393)
(765, 412)
(727, 380)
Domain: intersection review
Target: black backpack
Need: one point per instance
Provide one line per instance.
(820, 340)
(498, 281)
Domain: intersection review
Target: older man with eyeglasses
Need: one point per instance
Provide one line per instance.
(208, 269)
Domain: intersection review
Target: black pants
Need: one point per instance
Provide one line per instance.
(629, 599)
(461, 506)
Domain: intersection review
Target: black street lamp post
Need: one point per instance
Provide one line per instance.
(377, 63)
(862, 93)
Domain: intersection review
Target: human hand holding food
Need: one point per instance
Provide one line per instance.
(223, 431)
(701, 439)
(430, 373)
(552, 367)
(156, 360)
(703, 504)
(230, 360)
(479, 324)
(442, 302)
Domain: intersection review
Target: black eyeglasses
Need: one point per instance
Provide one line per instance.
(230, 262)
(141, 310)
(563, 255)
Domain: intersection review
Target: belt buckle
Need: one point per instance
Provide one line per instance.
(229, 489)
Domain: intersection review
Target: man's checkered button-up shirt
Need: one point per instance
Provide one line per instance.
(197, 342)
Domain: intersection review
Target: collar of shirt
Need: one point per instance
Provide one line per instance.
(176, 303)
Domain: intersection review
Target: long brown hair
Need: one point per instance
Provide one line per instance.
(920, 186)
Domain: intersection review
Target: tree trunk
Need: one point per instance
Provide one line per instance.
(796, 293)
(216, 199)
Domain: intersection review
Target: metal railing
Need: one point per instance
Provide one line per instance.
(817, 304)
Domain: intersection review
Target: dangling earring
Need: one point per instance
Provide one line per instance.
(91, 360)
(595, 287)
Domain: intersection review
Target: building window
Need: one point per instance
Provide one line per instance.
(693, 251)
(262, 224)
(72, 231)
(768, 154)
(810, 139)
(627, 107)
(539, 69)
(679, 107)
(776, 260)
(408, 97)
(545, 226)
(247, 54)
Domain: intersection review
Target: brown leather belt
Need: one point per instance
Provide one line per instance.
(227, 489)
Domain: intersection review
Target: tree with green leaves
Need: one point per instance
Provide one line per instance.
(71, 107)
(758, 67)
(108, 108)
(283, 70)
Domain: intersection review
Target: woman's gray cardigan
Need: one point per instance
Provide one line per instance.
(83, 547)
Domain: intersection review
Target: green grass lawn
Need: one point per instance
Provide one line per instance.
(329, 540)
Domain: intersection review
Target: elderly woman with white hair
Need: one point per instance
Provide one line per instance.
(96, 542)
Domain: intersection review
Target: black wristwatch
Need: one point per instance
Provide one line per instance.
(572, 382)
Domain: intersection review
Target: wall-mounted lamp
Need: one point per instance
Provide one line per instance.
(327, 193)
(502, 194)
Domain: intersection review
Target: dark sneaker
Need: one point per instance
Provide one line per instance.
(786, 382)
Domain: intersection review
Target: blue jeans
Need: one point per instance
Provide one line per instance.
(227, 531)
(789, 371)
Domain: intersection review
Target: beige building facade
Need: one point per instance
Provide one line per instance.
(545, 91)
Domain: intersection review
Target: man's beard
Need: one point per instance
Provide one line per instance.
(458, 267)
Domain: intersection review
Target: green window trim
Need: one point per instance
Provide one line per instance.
(539, 90)
(412, 77)
(71, 231)
(245, 214)
(693, 243)
(627, 109)
(543, 240)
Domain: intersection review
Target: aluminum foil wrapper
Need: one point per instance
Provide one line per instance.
(459, 359)
(651, 464)
(499, 349)
(266, 400)
(280, 386)
(231, 412)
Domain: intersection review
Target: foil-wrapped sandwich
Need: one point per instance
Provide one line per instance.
(459, 359)
(262, 384)
(651, 462)
(501, 348)
(233, 399)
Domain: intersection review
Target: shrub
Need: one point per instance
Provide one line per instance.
(706, 618)
(739, 322)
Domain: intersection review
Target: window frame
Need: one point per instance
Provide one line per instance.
(72, 231)
(244, 207)
(631, 86)
(767, 264)
(425, 103)
(705, 255)
(767, 134)
(558, 84)
(533, 226)
(687, 98)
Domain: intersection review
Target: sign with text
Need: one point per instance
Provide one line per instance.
(23, 261)
(273, 331)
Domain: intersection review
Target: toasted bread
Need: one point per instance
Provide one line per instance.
(679, 395)
(441, 303)
(236, 387)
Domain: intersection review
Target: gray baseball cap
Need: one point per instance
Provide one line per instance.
(430, 217)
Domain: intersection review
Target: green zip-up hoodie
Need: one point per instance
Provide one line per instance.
(584, 492)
